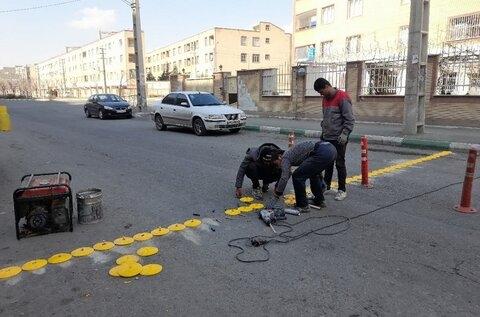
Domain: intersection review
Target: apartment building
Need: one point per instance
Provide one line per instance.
(82, 71)
(222, 49)
(355, 29)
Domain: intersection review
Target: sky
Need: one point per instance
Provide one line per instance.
(35, 35)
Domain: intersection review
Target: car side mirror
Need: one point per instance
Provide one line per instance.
(184, 104)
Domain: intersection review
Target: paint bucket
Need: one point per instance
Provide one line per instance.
(89, 206)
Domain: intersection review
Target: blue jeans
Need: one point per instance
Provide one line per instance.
(322, 156)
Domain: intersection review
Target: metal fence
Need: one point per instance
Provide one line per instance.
(385, 76)
(459, 71)
(333, 72)
(277, 81)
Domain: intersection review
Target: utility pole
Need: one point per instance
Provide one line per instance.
(63, 78)
(139, 68)
(102, 52)
(415, 92)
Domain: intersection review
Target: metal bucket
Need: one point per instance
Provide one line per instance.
(89, 206)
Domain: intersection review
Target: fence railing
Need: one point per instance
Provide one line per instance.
(277, 81)
(335, 73)
(459, 71)
(385, 76)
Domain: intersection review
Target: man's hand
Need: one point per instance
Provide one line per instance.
(343, 138)
(238, 192)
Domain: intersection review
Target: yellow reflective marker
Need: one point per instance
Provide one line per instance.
(245, 209)
(233, 212)
(123, 241)
(246, 199)
(192, 223)
(59, 258)
(151, 269)
(85, 251)
(160, 231)
(147, 251)
(10, 271)
(257, 206)
(114, 271)
(144, 236)
(34, 265)
(129, 269)
(103, 246)
(127, 258)
(176, 227)
(289, 196)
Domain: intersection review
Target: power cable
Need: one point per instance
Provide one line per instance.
(39, 6)
(127, 2)
(283, 238)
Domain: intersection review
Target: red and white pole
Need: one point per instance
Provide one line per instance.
(364, 167)
(466, 200)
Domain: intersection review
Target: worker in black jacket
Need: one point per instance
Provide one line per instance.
(257, 165)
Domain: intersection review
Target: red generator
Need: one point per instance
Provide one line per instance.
(43, 204)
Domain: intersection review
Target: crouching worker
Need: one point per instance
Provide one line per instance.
(258, 165)
(312, 158)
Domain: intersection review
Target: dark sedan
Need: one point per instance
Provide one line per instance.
(107, 105)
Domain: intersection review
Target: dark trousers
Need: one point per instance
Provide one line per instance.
(322, 156)
(257, 171)
(341, 167)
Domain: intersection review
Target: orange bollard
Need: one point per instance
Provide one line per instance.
(291, 139)
(364, 166)
(466, 200)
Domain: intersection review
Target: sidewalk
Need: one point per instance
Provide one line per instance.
(435, 137)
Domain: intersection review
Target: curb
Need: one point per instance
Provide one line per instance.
(374, 139)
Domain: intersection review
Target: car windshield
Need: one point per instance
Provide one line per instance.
(200, 100)
(109, 98)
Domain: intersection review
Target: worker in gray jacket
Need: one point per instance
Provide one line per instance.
(337, 124)
(257, 165)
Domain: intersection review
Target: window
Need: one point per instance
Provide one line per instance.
(131, 42)
(353, 44)
(267, 40)
(256, 58)
(243, 57)
(306, 20)
(304, 53)
(206, 41)
(464, 27)
(328, 14)
(211, 40)
(267, 27)
(243, 41)
(179, 49)
(403, 37)
(181, 98)
(355, 8)
(120, 42)
(326, 48)
(255, 41)
(267, 57)
(211, 57)
(170, 99)
(84, 54)
(131, 73)
(131, 58)
(174, 52)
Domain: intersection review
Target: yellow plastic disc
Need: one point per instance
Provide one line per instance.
(160, 231)
(10, 271)
(289, 196)
(114, 271)
(176, 227)
(151, 269)
(123, 241)
(245, 209)
(147, 251)
(34, 265)
(127, 258)
(85, 251)
(246, 199)
(59, 258)
(103, 246)
(257, 206)
(192, 223)
(232, 212)
(144, 236)
(129, 269)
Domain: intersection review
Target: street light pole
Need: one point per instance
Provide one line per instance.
(139, 68)
(102, 52)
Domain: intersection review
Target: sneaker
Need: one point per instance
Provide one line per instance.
(303, 210)
(341, 195)
(265, 188)
(315, 205)
(257, 193)
(330, 191)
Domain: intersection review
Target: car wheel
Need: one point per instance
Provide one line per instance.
(199, 127)
(129, 116)
(87, 113)
(101, 116)
(159, 123)
(235, 130)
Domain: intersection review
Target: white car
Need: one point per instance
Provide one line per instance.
(200, 111)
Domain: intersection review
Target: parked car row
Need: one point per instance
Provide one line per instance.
(201, 111)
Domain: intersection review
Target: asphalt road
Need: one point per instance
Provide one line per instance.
(416, 258)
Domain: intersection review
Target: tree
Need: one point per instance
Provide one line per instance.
(150, 77)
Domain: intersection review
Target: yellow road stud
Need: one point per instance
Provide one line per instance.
(176, 227)
(84, 251)
(34, 265)
(59, 258)
(151, 269)
(233, 212)
(123, 241)
(10, 271)
(192, 223)
(144, 236)
(129, 269)
(160, 231)
(103, 246)
(147, 251)
(127, 258)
